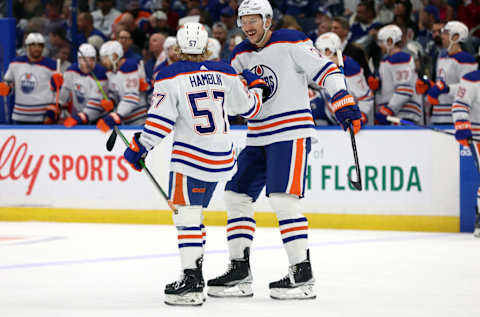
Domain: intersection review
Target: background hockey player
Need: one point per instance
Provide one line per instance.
(466, 117)
(81, 88)
(328, 44)
(194, 97)
(278, 143)
(451, 66)
(35, 82)
(396, 94)
(123, 82)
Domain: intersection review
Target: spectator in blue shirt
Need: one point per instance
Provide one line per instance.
(86, 29)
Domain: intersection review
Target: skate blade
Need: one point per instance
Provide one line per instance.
(300, 292)
(239, 290)
(189, 299)
(476, 233)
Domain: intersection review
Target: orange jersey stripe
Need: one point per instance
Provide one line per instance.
(293, 229)
(190, 236)
(178, 197)
(331, 69)
(136, 114)
(158, 126)
(280, 122)
(241, 227)
(295, 188)
(204, 160)
(31, 110)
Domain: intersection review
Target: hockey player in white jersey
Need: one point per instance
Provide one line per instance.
(452, 65)
(194, 97)
(82, 90)
(396, 95)
(328, 44)
(35, 81)
(123, 88)
(466, 118)
(278, 143)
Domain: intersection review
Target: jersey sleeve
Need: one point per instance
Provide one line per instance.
(464, 97)
(403, 75)
(463, 69)
(242, 101)
(9, 75)
(130, 99)
(319, 70)
(66, 90)
(162, 114)
(358, 87)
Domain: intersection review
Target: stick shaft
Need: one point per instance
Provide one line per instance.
(95, 78)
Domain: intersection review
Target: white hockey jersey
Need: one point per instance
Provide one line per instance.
(397, 91)
(467, 101)
(123, 88)
(288, 62)
(195, 99)
(82, 90)
(32, 88)
(450, 68)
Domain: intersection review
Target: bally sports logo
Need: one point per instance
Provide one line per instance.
(16, 164)
(267, 74)
(28, 82)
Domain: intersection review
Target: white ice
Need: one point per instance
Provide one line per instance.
(60, 269)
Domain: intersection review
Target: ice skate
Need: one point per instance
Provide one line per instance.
(188, 290)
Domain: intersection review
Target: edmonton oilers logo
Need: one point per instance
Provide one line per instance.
(80, 94)
(267, 74)
(28, 82)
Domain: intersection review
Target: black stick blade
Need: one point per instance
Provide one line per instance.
(357, 185)
(111, 140)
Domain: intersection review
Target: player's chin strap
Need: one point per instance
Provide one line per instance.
(265, 30)
(114, 62)
(452, 42)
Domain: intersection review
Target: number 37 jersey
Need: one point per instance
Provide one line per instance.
(195, 99)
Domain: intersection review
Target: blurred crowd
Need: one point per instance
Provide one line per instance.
(146, 29)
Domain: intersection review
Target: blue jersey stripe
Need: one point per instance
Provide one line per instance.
(302, 126)
(202, 150)
(289, 221)
(300, 236)
(282, 115)
(240, 235)
(241, 219)
(151, 115)
(206, 169)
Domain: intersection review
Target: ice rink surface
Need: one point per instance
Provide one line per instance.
(62, 269)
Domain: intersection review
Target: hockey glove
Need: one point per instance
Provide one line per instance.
(381, 115)
(436, 90)
(463, 132)
(373, 83)
(346, 109)
(79, 118)
(51, 115)
(135, 152)
(254, 81)
(4, 89)
(423, 85)
(109, 121)
(144, 86)
(364, 118)
(56, 81)
(107, 105)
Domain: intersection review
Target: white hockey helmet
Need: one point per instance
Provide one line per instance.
(456, 27)
(390, 31)
(214, 47)
(329, 41)
(169, 42)
(192, 38)
(249, 7)
(86, 50)
(34, 38)
(108, 49)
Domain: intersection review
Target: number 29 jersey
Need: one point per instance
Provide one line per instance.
(195, 99)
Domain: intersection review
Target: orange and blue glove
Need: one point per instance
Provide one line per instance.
(373, 83)
(423, 85)
(135, 152)
(79, 118)
(4, 89)
(109, 121)
(346, 110)
(436, 90)
(56, 81)
(382, 114)
(255, 81)
(52, 114)
(463, 132)
(106, 104)
(144, 86)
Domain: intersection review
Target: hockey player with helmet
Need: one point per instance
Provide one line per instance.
(396, 95)
(35, 82)
(81, 88)
(123, 88)
(278, 143)
(328, 44)
(452, 64)
(194, 97)
(466, 118)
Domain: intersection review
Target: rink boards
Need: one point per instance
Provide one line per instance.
(413, 180)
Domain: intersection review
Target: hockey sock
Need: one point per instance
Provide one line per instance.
(190, 237)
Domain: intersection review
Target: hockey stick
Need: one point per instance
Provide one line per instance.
(147, 171)
(356, 184)
(57, 94)
(409, 123)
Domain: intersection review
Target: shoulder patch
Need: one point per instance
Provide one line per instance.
(399, 58)
(464, 58)
(472, 76)
(129, 66)
(287, 35)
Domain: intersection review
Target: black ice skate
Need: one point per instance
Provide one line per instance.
(298, 284)
(236, 282)
(188, 291)
(476, 233)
